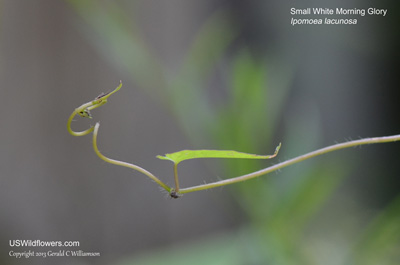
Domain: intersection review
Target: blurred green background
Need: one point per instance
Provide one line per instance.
(214, 74)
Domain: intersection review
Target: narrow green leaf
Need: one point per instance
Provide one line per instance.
(180, 156)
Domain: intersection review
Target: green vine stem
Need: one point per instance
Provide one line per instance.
(125, 164)
(84, 111)
(176, 178)
(374, 140)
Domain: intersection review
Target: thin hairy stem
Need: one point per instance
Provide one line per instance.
(125, 164)
(292, 161)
